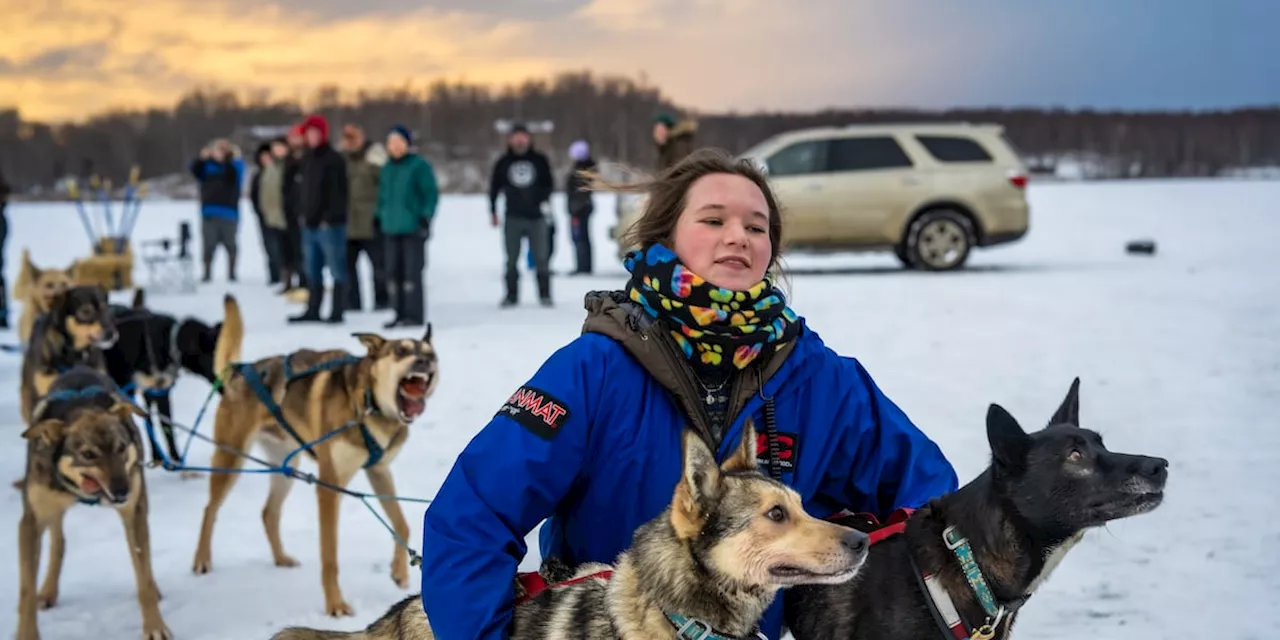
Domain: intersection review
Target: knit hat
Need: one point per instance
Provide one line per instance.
(519, 127)
(403, 132)
(579, 150)
(665, 118)
(297, 131)
(317, 121)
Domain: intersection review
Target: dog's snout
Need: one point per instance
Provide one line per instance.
(1156, 469)
(119, 488)
(855, 541)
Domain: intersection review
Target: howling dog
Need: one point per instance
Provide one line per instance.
(966, 562)
(82, 447)
(287, 401)
(711, 563)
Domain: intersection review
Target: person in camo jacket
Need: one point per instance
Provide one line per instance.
(407, 199)
(365, 159)
(266, 192)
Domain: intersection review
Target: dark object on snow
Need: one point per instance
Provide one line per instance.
(1147, 247)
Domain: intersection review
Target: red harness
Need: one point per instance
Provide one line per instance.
(896, 524)
(533, 583)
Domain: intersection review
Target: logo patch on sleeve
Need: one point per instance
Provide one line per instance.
(786, 451)
(537, 411)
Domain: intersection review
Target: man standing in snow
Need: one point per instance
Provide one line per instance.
(364, 163)
(219, 170)
(323, 213)
(523, 177)
(4, 236)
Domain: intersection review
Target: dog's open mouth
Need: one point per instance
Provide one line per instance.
(789, 574)
(411, 395)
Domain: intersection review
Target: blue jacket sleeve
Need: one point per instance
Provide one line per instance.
(508, 479)
(884, 461)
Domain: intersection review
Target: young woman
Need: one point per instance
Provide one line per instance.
(700, 338)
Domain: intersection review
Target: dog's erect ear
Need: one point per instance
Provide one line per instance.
(371, 341)
(427, 336)
(140, 298)
(73, 271)
(1009, 443)
(744, 457)
(27, 276)
(1069, 412)
(699, 484)
(48, 431)
(126, 410)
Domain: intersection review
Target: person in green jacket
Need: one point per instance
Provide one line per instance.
(407, 199)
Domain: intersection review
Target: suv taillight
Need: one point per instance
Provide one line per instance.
(1018, 180)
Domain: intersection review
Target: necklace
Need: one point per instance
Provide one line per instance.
(710, 398)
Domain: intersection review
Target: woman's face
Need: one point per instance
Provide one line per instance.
(723, 232)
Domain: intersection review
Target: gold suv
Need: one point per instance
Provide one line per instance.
(928, 192)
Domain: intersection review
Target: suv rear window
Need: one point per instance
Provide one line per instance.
(798, 159)
(864, 154)
(954, 149)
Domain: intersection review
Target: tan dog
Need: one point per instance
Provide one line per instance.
(730, 541)
(75, 330)
(83, 448)
(385, 390)
(36, 288)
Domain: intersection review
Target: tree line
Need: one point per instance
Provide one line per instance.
(456, 122)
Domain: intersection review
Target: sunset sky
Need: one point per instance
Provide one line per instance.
(66, 59)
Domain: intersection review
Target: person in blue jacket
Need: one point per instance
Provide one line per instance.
(220, 172)
(699, 338)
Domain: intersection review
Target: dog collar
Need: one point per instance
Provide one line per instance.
(694, 629)
(941, 603)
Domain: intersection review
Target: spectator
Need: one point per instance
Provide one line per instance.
(291, 244)
(523, 177)
(365, 159)
(323, 215)
(673, 141)
(266, 192)
(407, 199)
(4, 237)
(219, 171)
(580, 204)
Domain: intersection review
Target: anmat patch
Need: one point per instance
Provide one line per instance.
(537, 411)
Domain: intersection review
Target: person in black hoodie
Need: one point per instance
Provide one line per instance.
(323, 212)
(580, 204)
(291, 241)
(523, 177)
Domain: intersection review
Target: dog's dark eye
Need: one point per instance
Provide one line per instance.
(1074, 456)
(776, 514)
(402, 351)
(89, 454)
(120, 447)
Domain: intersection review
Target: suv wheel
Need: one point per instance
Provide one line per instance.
(939, 240)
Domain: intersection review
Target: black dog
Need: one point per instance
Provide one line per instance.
(1015, 521)
(150, 353)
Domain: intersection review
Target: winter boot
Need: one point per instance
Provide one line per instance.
(544, 288)
(513, 290)
(315, 295)
(339, 303)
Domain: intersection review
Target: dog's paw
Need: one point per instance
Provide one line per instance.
(284, 560)
(46, 600)
(202, 564)
(400, 574)
(338, 608)
(156, 631)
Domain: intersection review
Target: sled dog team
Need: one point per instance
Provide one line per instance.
(732, 538)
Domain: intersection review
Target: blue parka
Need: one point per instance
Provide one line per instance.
(592, 443)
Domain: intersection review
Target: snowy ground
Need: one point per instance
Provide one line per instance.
(1178, 353)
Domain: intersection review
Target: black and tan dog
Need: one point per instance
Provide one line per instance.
(371, 399)
(153, 349)
(82, 447)
(712, 562)
(36, 289)
(75, 330)
(1014, 523)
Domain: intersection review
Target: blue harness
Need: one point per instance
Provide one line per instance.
(254, 379)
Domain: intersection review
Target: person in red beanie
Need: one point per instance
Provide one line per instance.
(323, 212)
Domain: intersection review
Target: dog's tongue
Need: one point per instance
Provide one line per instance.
(414, 387)
(414, 407)
(89, 485)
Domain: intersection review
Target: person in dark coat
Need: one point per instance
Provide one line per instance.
(323, 213)
(220, 172)
(672, 140)
(291, 270)
(580, 204)
(4, 237)
(266, 193)
(523, 177)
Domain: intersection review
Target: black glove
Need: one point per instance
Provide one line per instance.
(424, 228)
(377, 227)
